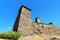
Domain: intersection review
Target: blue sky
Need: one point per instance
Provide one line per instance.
(46, 10)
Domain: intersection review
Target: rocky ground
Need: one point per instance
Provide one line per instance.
(39, 37)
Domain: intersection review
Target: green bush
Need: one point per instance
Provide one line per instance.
(10, 35)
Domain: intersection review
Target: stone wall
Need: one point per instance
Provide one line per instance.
(25, 26)
(24, 22)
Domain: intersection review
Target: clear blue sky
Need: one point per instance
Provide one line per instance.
(47, 10)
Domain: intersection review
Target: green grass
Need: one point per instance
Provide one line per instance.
(10, 35)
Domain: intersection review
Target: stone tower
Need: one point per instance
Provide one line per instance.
(23, 21)
(37, 20)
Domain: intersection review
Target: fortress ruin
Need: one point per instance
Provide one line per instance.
(25, 25)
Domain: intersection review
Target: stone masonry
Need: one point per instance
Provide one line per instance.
(25, 26)
(23, 21)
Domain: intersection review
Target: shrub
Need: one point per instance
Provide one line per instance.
(10, 35)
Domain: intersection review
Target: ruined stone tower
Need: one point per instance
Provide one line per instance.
(37, 20)
(23, 21)
(25, 26)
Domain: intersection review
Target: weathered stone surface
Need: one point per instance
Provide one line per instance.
(25, 25)
(34, 37)
(37, 37)
(23, 22)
